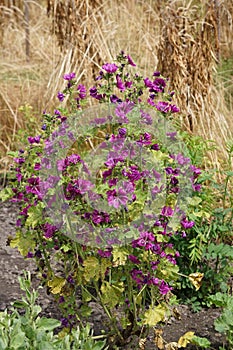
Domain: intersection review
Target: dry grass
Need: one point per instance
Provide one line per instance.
(95, 33)
(188, 54)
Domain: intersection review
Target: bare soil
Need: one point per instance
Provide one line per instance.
(12, 265)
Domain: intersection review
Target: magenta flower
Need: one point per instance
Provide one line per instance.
(19, 160)
(148, 83)
(19, 177)
(174, 109)
(134, 259)
(37, 166)
(81, 91)
(35, 139)
(123, 109)
(164, 288)
(105, 253)
(73, 159)
(187, 224)
(117, 198)
(83, 186)
(130, 61)
(110, 67)
(69, 76)
(159, 84)
(163, 106)
(120, 85)
(49, 230)
(60, 96)
(167, 211)
(146, 118)
(94, 93)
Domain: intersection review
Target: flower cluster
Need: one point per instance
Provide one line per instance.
(110, 192)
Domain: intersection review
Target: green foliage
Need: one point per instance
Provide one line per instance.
(224, 323)
(30, 331)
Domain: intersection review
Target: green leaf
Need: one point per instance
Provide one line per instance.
(35, 215)
(47, 324)
(85, 310)
(6, 193)
(18, 340)
(202, 342)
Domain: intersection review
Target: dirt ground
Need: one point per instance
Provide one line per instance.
(12, 265)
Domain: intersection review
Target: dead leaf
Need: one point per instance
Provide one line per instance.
(195, 279)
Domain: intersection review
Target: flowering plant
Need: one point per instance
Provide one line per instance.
(101, 191)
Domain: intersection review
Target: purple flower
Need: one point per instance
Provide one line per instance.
(156, 74)
(167, 211)
(123, 109)
(145, 240)
(19, 177)
(122, 132)
(99, 121)
(81, 91)
(155, 147)
(117, 198)
(45, 162)
(120, 85)
(110, 67)
(163, 106)
(60, 96)
(19, 160)
(146, 118)
(35, 139)
(128, 84)
(33, 186)
(49, 230)
(164, 288)
(130, 61)
(69, 76)
(187, 224)
(37, 166)
(83, 186)
(115, 99)
(196, 187)
(172, 135)
(105, 253)
(73, 159)
(44, 126)
(134, 259)
(174, 109)
(158, 85)
(94, 93)
(148, 83)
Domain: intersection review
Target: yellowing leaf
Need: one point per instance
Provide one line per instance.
(155, 315)
(105, 263)
(119, 256)
(194, 201)
(91, 268)
(56, 285)
(24, 243)
(185, 339)
(111, 293)
(195, 279)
